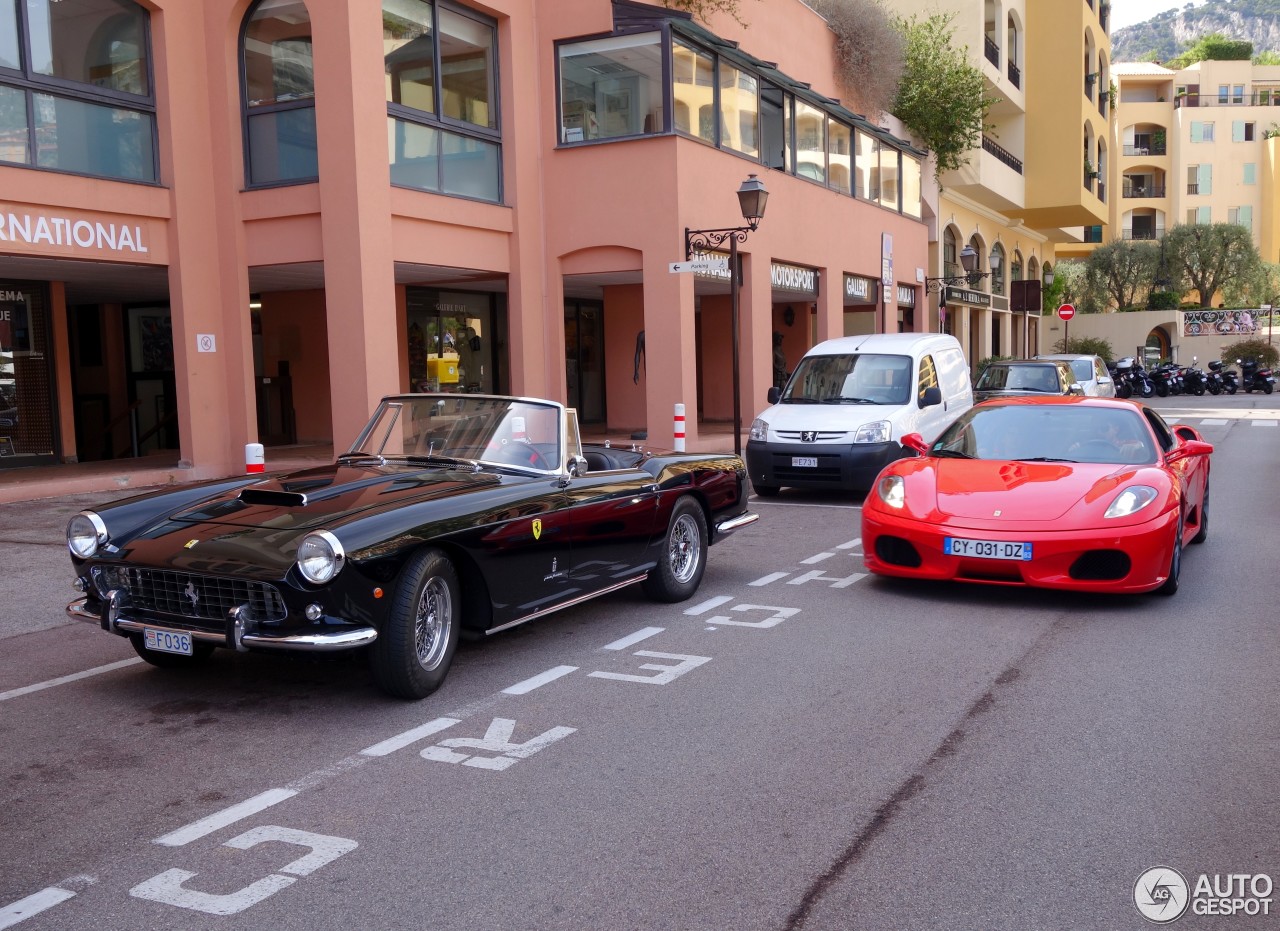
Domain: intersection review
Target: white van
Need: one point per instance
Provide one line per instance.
(839, 419)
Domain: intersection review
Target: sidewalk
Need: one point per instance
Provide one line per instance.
(124, 475)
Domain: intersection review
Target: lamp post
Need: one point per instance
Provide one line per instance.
(752, 198)
(971, 276)
(1048, 280)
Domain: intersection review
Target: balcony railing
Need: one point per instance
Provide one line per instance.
(1102, 191)
(1148, 149)
(992, 50)
(1144, 190)
(1001, 154)
(1193, 187)
(1157, 233)
(1015, 75)
(1267, 98)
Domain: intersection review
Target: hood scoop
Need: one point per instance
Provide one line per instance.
(273, 497)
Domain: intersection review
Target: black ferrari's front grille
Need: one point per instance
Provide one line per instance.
(200, 597)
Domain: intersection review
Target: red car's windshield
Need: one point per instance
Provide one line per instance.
(1049, 432)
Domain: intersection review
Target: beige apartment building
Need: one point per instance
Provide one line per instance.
(1194, 149)
(1038, 176)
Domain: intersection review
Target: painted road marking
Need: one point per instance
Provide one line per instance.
(222, 818)
(665, 674)
(643, 633)
(815, 559)
(771, 577)
(33, 904)
(707, 605)
(855, 542)
(1264, 423)
(528, 685)
(400, 741)
(1214, 422)
(817, 575)
(779, 615)
(63, 680)
(497, 739)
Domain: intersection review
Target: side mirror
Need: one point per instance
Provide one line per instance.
(577, 466)
(1195, 359)
(914, 441)
(932, 397)
(774, 395)
(1188, 449)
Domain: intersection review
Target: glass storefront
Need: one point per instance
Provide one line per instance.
(454, 341)
(584, 358)
(27, 408)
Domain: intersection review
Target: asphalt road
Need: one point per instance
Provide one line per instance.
(798, 746)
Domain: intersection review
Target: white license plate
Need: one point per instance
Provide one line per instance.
(804, 462)
(164, 641)
(986, 549)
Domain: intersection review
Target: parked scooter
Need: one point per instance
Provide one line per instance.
(1213, 380)
(1166, 380)
(1193, 379)
(1252, 376)
(1121, 376)
(1143, 386)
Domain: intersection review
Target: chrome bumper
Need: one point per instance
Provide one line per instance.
(738, 521)
(235, 637)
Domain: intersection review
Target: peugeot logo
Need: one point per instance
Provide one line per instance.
(809, 436)
(191, 594)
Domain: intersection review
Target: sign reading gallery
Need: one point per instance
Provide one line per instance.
(71, 232)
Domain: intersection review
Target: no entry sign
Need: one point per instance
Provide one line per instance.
(1066, 312)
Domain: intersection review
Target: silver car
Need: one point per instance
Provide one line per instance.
(1090, 372)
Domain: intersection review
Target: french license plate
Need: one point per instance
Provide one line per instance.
(804, 462)
(164, 641)
(986, 549)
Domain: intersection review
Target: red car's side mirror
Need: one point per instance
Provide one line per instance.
(915, 442)
(1187, 449)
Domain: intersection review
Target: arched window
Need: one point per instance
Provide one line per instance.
(998, 269)
(75, 88)
(1015, 266)
(950, 257)
(279, 93)
(442, 98)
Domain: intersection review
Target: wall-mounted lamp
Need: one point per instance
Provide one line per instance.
(255, 302)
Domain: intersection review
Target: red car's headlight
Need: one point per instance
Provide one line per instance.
(1132, 500)
(892, 491)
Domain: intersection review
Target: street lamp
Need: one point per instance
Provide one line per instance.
(752, 198)
(971, 276)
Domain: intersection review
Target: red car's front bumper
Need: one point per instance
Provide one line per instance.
(1083, 560)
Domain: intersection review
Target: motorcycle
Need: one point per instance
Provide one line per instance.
(1213, 379)
(1121, 377)
(1252, 376)
(1194, 381)
(1141, 380)
(1164, 378)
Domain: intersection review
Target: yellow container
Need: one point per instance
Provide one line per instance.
(443, 370)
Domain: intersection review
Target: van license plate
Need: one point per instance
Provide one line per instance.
(804, 462)
(165, 641)
(986, 549)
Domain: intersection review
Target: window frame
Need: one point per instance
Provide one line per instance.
(31, 83)
(288, 106)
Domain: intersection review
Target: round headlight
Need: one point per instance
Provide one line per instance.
(85, 533)
(320, 557)
(892, 490)
(1132, 500)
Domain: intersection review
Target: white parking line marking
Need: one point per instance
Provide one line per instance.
(63, 680)
(707, 605)
(1264, 423)
(814, 559)
(528, 685)
(33, 904)
(771, 577)
(644, 633)
(1214, 422)
(818, 575)
(400, 741)
(221, 819)
(855, 542)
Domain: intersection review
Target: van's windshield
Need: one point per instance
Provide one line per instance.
(865, 378)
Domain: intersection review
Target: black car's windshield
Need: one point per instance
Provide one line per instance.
(1049, 433)
(448, 429)
(861, 378)
(1031, 377)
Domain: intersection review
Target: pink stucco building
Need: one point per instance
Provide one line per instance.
(231, 221)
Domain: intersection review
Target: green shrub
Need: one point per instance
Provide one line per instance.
(1087, 345)
(1162, 300)
(1251, 349)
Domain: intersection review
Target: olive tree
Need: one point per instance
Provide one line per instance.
(869, 53)
(705, 9)
(1123, 269)
(1208, 255)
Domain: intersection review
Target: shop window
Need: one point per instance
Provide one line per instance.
(612, 88)
(279, 83)
(774, 126)
(840, 157)
(85, 103)
(889, 177)
(739, 111)
(867, 167)
(811, 142)
(911, 186)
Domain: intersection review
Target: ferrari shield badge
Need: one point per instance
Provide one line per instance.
(537, 529)
(189, 544)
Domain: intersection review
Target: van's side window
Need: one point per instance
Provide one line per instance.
(928, 378)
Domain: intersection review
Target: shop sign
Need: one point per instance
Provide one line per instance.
(719, 271)
(858, 289)
(906, 296)
(965, 296)
(72, 232)
(794, 278)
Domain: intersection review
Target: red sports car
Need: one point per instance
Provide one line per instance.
(1090, 494)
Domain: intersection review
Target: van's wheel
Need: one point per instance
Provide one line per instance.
(413, 651)
(1202, 534)
(766, 491)
(684, 555)
(200, 653)
(1170, 585)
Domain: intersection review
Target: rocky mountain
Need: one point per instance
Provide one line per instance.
(1167, 34)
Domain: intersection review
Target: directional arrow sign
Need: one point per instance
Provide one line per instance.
(700, 265)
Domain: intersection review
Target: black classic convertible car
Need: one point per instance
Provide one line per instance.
(451, 511)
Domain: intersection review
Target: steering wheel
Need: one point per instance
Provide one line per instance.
(1097, 448)
(521, 454)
